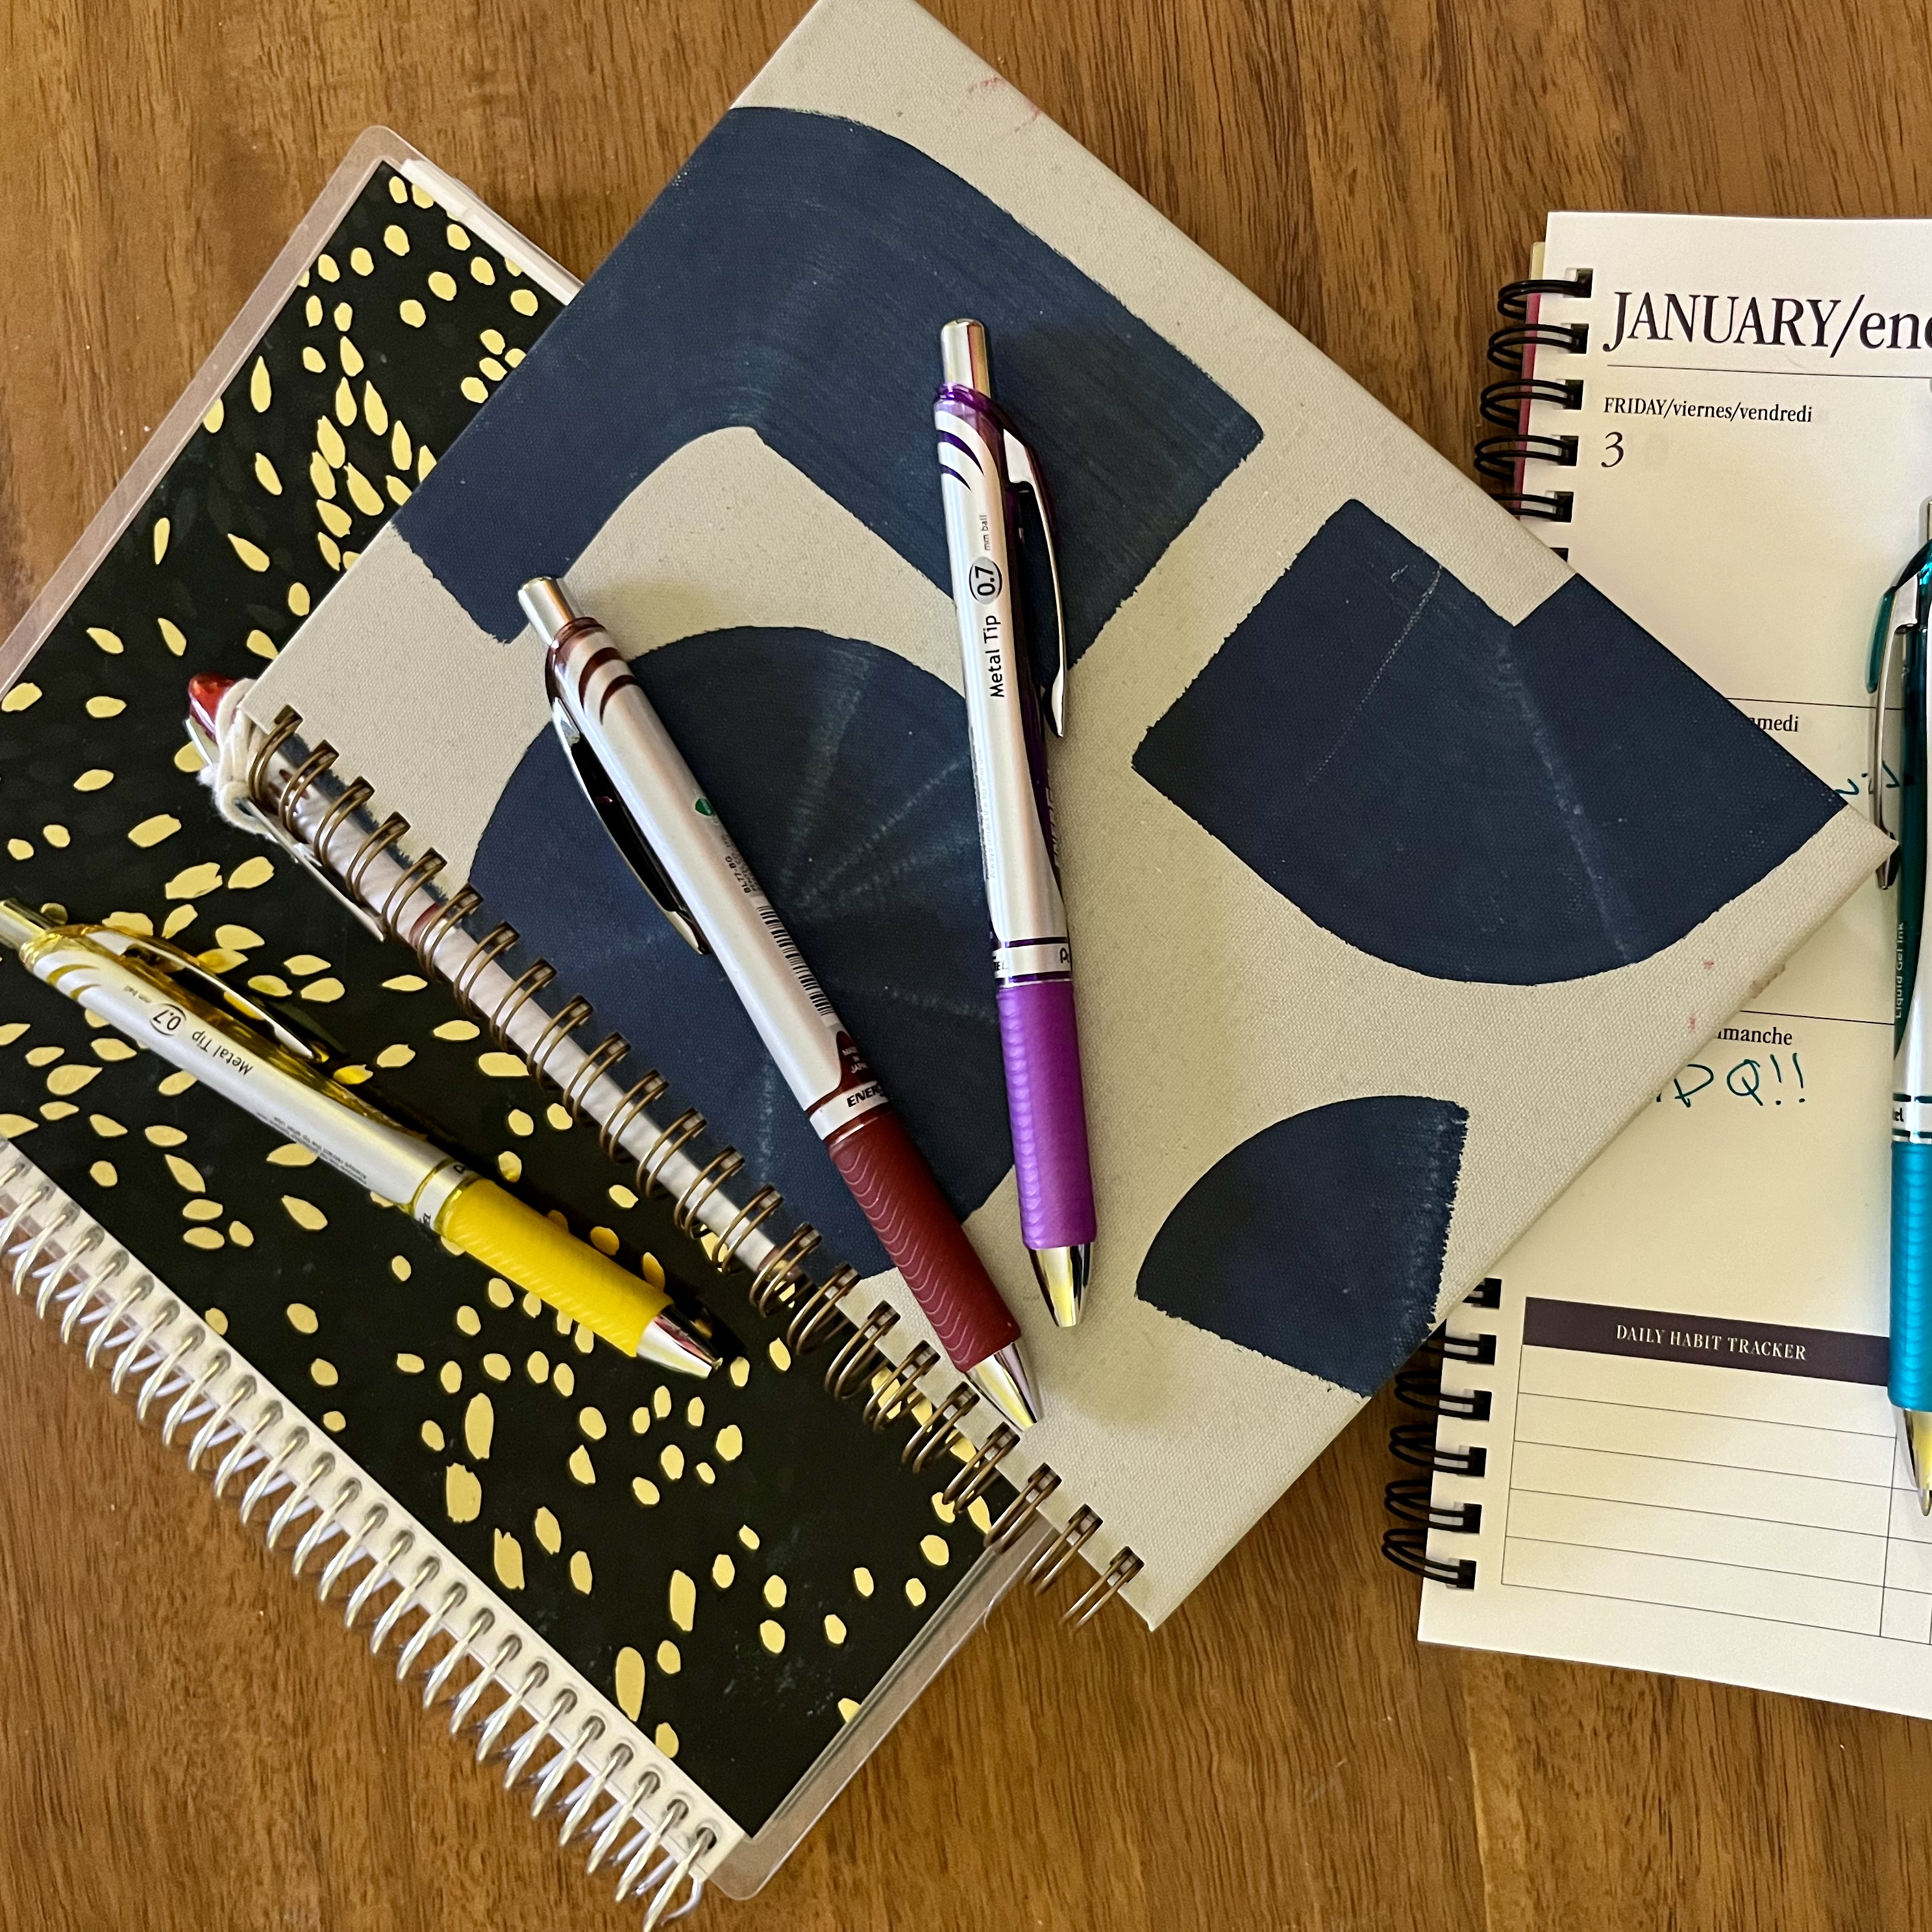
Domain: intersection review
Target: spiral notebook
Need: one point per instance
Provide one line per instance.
(1677, 1400)
(676, 1618)
(1361, 876)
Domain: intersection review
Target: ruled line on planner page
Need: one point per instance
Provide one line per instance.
(1779, 1496)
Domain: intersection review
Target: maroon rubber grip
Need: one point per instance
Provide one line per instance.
(889, 1179)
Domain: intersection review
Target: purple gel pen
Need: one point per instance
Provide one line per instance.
(981, 465)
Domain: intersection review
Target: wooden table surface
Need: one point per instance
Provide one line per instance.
(187, 1741)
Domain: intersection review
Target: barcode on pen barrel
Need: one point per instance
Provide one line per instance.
(795, 959)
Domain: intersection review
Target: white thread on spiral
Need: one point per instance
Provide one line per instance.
(235, 739)
(49, 1249)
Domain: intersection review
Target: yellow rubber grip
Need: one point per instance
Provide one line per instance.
(527, 1248)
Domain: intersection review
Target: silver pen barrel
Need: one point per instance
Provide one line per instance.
(141, 1003)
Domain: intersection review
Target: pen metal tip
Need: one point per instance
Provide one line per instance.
(1062, 1273)
(1918, 1447)
(670, 1343)
(1002, 1379)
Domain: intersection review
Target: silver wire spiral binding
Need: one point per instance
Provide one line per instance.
(614, 1790)
(298, 785)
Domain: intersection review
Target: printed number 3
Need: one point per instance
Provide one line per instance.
(1613, 449)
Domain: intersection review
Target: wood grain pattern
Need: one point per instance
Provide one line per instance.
(189, 1741)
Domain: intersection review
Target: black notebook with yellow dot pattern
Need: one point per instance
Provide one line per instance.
(679, 1614)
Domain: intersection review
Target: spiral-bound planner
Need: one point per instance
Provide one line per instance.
(676, 1618)
(1359, 873)
(1664, 1439)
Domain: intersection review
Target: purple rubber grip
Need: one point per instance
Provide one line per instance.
(1040, 1045)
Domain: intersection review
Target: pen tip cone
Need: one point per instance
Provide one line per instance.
(669, 1343)
(205, 691)
(1918, 1447)
(1002, 1379)
(1062, 1274)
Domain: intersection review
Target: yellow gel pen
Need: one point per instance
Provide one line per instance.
(163, 998)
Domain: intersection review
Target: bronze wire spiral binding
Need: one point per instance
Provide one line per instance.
(1410, 1499)
(1500, 459)
(778, 1280)
(184, 1378)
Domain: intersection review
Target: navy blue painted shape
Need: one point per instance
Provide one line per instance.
(794, 277)
(841, 771)
(1319, 1240)
(1472, 800)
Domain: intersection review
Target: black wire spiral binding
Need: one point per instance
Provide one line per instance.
(779, 1282)
(1410, 1499)
(1499, 458)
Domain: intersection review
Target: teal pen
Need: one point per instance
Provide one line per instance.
(1897, 676)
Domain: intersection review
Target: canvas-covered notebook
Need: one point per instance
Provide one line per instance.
(676, 1617)
(1389, 844)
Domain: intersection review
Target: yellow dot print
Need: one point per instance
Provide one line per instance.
(506, 1558)
(628, 1682)
(479, 1426)
(683, 1600)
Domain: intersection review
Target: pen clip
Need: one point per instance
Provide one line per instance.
(629, 841)
(1023, 475)
(211, 986)
(271, 828)
(1890, 675)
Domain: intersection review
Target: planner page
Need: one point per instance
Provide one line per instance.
(1689, 1463)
